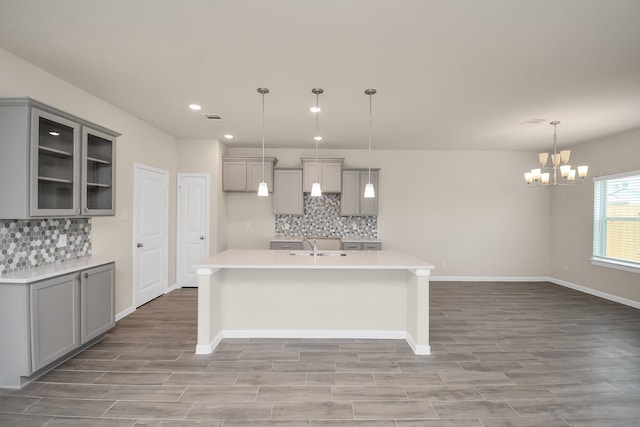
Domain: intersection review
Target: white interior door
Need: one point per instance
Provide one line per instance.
(150, 233)
(193, 225)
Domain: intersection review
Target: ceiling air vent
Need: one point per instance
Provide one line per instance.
(211, 116)
(533, 121)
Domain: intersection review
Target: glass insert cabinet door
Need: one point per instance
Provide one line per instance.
(55, 165)
(98, 174)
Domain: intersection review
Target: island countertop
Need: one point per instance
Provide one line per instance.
(354, 260)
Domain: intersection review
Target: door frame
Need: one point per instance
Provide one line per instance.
(165, 226)
(179, 234)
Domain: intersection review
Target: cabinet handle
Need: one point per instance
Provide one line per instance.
(201, 237)
(139, 245)
(86, 275)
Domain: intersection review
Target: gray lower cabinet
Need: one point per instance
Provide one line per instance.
(361, 246)
(55, 326)
(283, 245)
(98, 301)
(45, 321)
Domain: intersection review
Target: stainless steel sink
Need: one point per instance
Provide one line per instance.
(320, 253)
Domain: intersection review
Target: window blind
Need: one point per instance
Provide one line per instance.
(616, 224)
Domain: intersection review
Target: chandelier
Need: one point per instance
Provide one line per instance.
(559, 163)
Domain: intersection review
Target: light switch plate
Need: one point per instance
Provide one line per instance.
(62, 241)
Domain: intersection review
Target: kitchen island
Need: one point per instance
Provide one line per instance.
(294, 294)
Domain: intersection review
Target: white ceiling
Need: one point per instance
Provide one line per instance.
(450, 74)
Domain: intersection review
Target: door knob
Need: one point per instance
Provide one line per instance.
(139, 245)
(201, 237)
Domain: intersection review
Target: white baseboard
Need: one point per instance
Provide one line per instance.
(580, 288)
(172, 288)
(313, 333)
(487, 279)
(125, 312)
(208, 348)
(600, 294)
(420, 350)
(295, 333)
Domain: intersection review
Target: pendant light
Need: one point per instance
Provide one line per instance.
(316, 191)
(263, 188)
(369, 191)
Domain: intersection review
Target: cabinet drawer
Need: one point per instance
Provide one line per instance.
(372, 246)
(293, 246)
(351, 246)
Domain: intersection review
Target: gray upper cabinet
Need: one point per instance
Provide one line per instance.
(287, 191)
(52, 163)
(98, 173)
(244, 174)
(55, 165)
(327, 171)
(352, 200)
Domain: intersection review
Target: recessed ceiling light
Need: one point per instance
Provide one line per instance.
(54, 133)
(317, 138)
(195, 107)
(228, 136)
(315, 109)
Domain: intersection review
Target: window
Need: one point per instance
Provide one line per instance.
(616, 221)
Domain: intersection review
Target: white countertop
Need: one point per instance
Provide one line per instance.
(272, 259)
(53, 270)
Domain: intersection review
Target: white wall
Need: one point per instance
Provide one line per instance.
(572, 213)
(471, 210)
(140, 142)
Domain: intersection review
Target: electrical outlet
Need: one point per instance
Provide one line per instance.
(354, 226)
(286, 226)
(62, 241)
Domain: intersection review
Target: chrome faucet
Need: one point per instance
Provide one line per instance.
(313, 245)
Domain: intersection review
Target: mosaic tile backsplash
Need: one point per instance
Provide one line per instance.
(322, 218)
(26, 244)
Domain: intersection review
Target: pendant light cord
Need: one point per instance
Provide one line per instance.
(316, 137)
(555, 154)
(263, 137)
(370, 95)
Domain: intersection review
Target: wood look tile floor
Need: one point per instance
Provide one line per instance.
(504, 354)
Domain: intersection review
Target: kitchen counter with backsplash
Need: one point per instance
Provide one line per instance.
(50, 313)
(53, 270)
